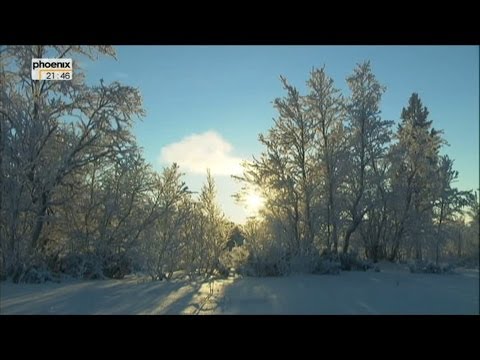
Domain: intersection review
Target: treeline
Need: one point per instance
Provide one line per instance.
(338, 178)
(77, 197)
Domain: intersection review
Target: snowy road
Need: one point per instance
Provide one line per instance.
(386, 292)
(356, 293)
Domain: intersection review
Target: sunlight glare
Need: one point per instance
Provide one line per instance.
(254, 203)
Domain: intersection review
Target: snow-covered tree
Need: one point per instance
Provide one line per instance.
(215, 226)
(449, 202)
(163, 246)
(413, 176)
(326, 110)
(50, 131)
(286, 171)
(368, 135)
(472, 232)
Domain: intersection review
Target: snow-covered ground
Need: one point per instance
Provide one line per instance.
(391, 291)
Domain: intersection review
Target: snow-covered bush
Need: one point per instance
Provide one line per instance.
(265, 267)
(267, 255)
(33, 274)
(346, 262)
(351, 261)
(117, 266)
(37, 275)
(279, 263)
(235, 259)
(470, 262)
(86, 266)
(271, 261)
(303, 263)
(448, 269)
(327, 267)
(430, 268)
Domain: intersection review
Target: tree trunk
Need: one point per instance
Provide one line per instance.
(335, 236)
(347, 240)
(356, 218)
(349, 233)
(3, 223)
(439, 233)
(295, 228)
(328, 227)
(459, 245)
(396, 242)
(40, 220)
(356, 221)
(437, 247)
(309, 232)
(331, 217)
(418, 249)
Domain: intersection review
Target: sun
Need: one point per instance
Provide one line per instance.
(254, 202)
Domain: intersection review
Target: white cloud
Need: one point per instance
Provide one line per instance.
(197, 152)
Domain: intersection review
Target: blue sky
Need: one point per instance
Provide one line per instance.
(211, 102)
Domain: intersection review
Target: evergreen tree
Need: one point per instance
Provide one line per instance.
(414, 161)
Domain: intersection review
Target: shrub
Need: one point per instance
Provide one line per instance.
(263, 266)
(235, 259)
(327, 267)
(86, 266)
(117, 266)
(430, 268)
(33, 274)
(37, 275)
